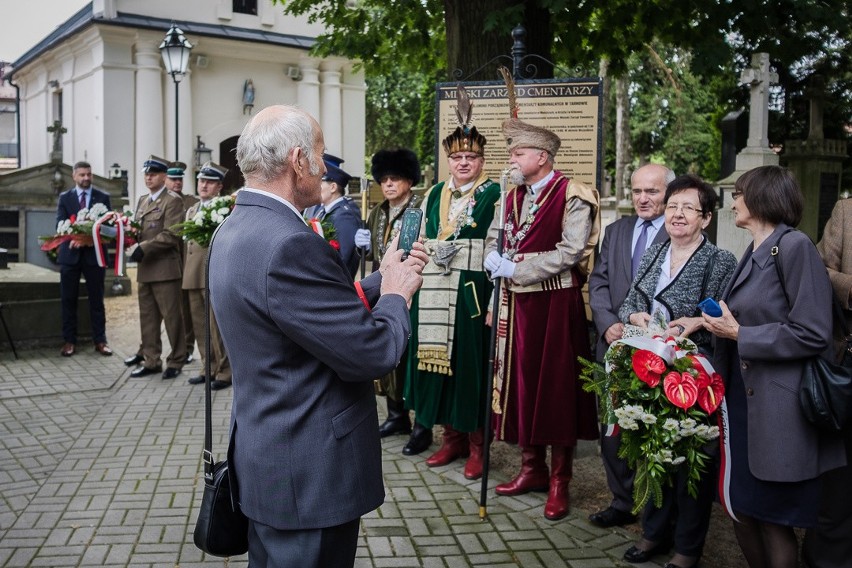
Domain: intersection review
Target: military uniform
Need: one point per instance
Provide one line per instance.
(193, 285)
(175, 172)
(158, 275)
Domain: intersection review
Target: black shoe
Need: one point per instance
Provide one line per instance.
(398, 421)
(199, 380)
(419, 441)
(171, 373)
(219, 385)
(636, 555)
(189, 359)
(142, 372)
(612, 517)
(135, 360)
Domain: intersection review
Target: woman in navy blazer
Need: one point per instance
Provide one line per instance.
(764, 337)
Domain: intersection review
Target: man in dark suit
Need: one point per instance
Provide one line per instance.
(305, 343)
(338, 209)
(623, 244)
(75, 259)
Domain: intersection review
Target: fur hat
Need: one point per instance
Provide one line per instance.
(520, 134)
(401, 162)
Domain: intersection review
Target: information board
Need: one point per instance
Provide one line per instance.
(571, 108)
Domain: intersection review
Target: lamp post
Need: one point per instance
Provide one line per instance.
(175, 51)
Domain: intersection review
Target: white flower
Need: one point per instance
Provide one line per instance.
(97, 211)
(198, 220)
(82, 214)
(648, 418)
(687, 423)
(670, 424)
(712, 433)
(628, 423)
(223, 211)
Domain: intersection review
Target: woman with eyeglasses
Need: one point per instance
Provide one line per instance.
(768, 328)
(673, 277)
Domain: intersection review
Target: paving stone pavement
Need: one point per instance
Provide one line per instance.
(100, 469)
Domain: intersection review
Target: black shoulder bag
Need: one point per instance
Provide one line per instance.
(825, 394)
(221, 528)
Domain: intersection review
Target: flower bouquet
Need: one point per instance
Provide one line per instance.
(201, 227)
(95, 227)
(326, 230)
(663, 396)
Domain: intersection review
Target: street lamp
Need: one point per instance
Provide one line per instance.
(175, 51)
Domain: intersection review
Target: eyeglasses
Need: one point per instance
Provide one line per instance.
(468, 157)
(687, 209)
(736, 194)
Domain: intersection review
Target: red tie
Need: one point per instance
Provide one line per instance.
(82, 200)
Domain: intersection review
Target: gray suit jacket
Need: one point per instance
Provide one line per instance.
(304, 350)
(610, 280)
(774, 339)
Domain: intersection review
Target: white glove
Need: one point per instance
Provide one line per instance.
(499, 266)
(362, 239)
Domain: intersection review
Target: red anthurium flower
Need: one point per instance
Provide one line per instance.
(648, 367)
(680, 389)
(711, 389)
(72, 218)
(334, 244)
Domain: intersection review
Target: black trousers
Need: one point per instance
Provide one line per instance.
(619, 476)
(682, 517)
(330, 547)
(69, 292)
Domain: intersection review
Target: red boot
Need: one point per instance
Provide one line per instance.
(473, 467)
(561, 471)
(533, 474)
(454, 446)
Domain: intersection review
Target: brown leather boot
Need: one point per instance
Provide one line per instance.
(533, 474)
(561, 471)
(473, 467)
(453, 446)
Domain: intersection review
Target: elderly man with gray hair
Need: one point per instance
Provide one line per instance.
(304, 448)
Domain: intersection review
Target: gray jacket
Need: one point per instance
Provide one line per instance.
(705, 274)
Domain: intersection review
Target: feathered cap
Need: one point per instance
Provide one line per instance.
(465, 138)
(520, 134)
(401, 162)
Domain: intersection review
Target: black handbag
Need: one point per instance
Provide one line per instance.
(825, 394)
(221, 528)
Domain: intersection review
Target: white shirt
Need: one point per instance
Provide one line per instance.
(533, 189)
(277, 198)
(87, 193)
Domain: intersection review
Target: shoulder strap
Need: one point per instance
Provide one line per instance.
(207, 453)
(775, 251)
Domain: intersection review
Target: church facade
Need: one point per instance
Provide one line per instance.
(101, 75)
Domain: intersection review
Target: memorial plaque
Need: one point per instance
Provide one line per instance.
(571, 108)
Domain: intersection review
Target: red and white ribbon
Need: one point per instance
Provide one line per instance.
(121, 222)
(316, 225)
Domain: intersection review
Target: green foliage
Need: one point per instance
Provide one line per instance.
(394, 102)
(386, 35)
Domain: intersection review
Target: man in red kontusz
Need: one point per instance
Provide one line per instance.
(552, 224)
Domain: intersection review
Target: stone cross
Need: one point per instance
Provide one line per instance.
(816, 94)
(758, 77)
(57, 130)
